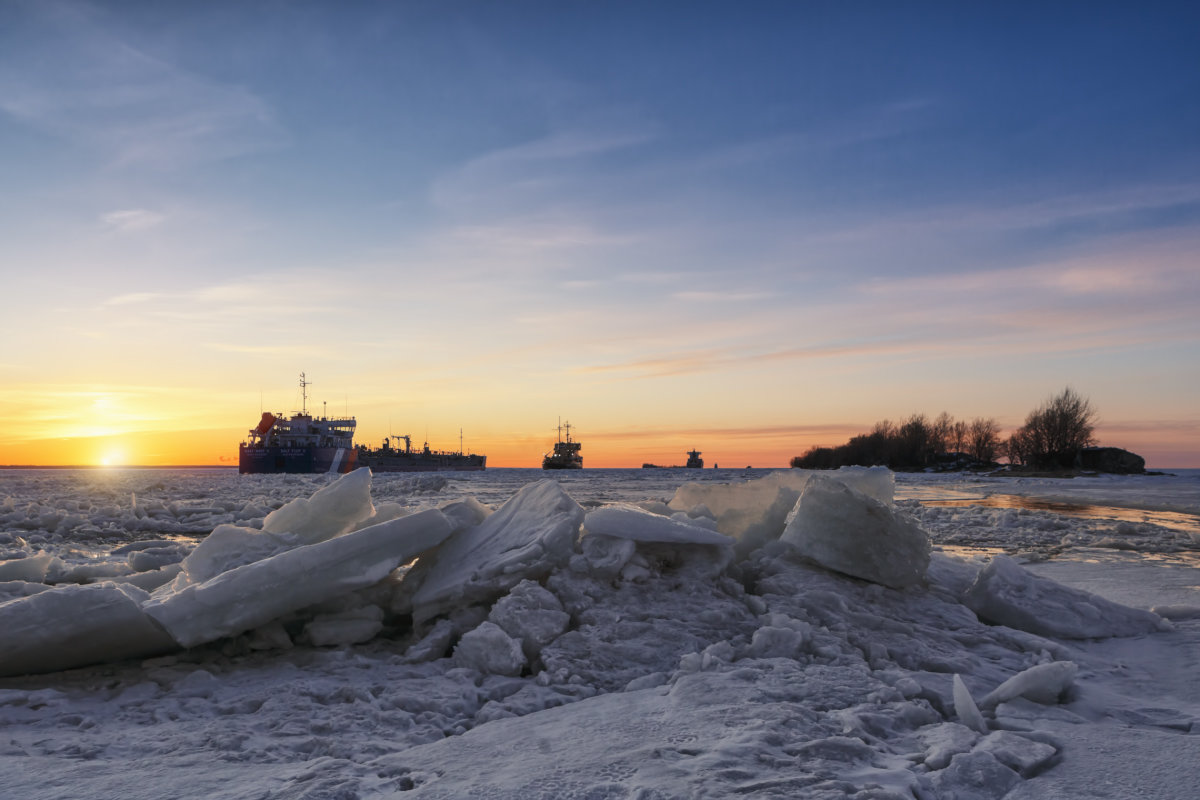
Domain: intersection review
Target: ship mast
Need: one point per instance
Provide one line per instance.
(303, 395)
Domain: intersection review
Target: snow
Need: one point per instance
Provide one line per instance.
(672, 641)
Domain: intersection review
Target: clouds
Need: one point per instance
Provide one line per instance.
(621, 208)
(558, 171)
(82, 81)
(131, 220)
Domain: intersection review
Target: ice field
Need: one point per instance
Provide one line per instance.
(599, 634)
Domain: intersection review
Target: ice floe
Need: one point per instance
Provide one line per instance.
(789, 635)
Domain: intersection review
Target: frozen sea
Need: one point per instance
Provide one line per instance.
(607, 634)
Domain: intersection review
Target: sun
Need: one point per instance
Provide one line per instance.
(112, 458)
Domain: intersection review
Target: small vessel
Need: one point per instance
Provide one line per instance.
(566, 452)
(299, 443)
(393, 459)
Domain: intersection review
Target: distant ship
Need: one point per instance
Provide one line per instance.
(304, 443)
(694, 462)
(299, 443)
(391, 459)
(566, 452)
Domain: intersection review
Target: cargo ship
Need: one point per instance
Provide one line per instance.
(694, 462)
(393, 459)
(299, 443)
(566, 452)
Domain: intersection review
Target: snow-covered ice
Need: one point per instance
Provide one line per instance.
(527, 537)
(1005, 593)
(603, 634)
(254, 594)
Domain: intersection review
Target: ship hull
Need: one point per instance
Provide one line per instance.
(418, 463)
(550, 464)
(255, 460)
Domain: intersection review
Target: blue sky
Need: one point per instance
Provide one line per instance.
(664, 219)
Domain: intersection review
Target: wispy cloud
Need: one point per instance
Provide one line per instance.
(134, 298)
(702, 296)
(537, 235)
(1132, 266)
(101, 91)
(131, 220)
(974, 338)
(515, 179)
(306, 350)
(1102, 209)
(748, 432)
(258, 298)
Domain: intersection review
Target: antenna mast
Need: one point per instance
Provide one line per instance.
(304, 394)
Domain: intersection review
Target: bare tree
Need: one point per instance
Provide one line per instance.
(942, 434)
(961, 431)
(984, 439)
(1056, 431)
(915, 437)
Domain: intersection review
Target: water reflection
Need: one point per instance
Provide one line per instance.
(1165, 519)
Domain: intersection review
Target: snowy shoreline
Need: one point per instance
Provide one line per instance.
(673, 651)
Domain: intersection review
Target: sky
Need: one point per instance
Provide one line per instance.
(747, 228)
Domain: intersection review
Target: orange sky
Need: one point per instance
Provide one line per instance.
(764, 447)
(820, 229)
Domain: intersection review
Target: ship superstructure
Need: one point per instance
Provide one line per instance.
(566, 451)
(299, 443)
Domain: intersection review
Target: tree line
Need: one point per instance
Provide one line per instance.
(1051, 438)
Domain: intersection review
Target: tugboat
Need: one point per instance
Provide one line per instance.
(393, 459)
(566, 452)
(299, 443)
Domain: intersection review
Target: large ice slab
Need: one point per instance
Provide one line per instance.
(525, 538)
(1006, 594)
(256, 593)
(847, 531)
(35, 569)
(332, 510)
(72, 626)
(229, 547)
(756, 512)
(625, 521)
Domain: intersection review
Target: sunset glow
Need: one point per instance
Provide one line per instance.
(747, 231)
